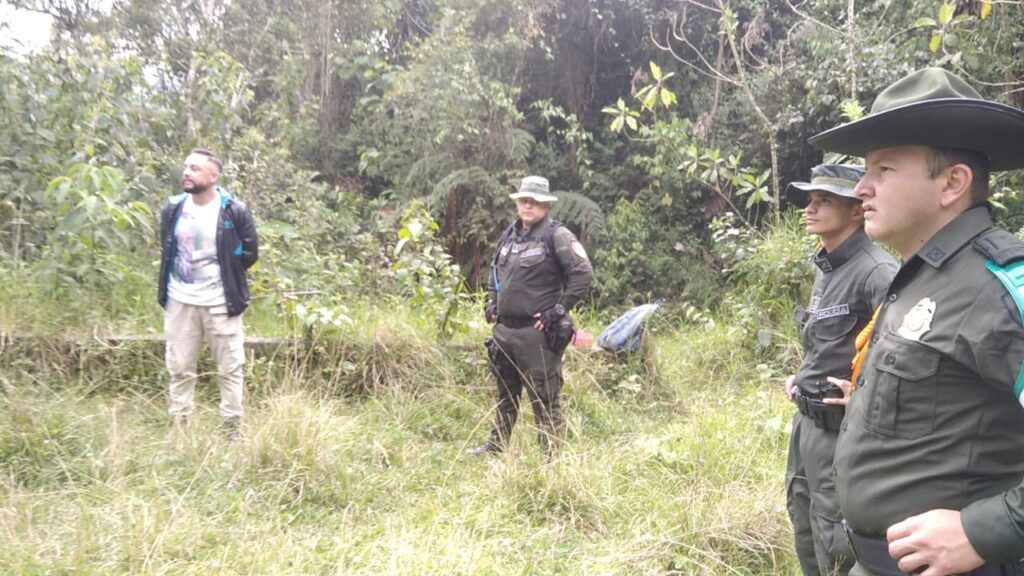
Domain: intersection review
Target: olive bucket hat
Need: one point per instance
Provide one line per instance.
(933, 107)
(535, 187)
(839, 179)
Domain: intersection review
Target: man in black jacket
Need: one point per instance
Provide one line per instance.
(208, 241)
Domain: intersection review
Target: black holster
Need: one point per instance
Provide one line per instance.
(560, 334)
(828, 417)
(499, 362)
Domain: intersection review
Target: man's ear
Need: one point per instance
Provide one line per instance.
(858, 211)
(956, 185)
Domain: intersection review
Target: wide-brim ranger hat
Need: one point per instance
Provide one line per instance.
(933, 107)
(535, 187)
(839, 179)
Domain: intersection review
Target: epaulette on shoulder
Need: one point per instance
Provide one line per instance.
(999, 246)
(1005, 253)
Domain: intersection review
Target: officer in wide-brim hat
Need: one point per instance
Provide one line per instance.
(539, 271)
(851, 277)
(929, 458)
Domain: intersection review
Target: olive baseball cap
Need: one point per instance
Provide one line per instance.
(535, 187)
(839, 179)
(933, 107)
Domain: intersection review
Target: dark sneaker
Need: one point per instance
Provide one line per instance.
(484, 449)
(232, 428)
(179, 423)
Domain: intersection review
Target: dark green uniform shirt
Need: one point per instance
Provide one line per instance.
(849, 284)
(531, 280)
(934, 422)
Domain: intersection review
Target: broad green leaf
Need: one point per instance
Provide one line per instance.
(936, 40)
(631, 122)
(946, 13)
(651, 99)
(655, 71)
(617, 124)
(925, 21)
(668, 97)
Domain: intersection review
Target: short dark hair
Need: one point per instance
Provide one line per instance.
(941, 158)
(211, 156)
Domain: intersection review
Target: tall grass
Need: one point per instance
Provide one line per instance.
(681, 474)
(353, 454)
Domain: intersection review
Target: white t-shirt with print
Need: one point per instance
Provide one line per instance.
(195, 272)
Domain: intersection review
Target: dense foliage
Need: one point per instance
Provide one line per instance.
(652, 118)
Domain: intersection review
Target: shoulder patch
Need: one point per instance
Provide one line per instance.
(579, 250)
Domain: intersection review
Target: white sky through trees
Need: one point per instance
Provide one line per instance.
(23, 31)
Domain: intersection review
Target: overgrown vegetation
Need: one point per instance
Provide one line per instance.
(353, 459)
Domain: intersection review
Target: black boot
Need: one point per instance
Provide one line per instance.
(487, 448)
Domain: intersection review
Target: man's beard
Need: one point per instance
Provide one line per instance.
(194, 189)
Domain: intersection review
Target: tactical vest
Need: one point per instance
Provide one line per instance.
(548, 238)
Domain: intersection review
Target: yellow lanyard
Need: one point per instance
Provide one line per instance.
(862, 347)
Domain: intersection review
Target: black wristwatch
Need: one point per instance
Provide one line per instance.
(559, 309)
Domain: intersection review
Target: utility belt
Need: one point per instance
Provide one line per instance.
(872, 553)
(558, 336)
(828, 417)
(516, 321)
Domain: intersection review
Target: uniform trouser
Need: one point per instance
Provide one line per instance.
(821, 544)
(537, 368)
(184, 328)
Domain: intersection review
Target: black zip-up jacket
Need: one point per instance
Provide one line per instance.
(237, 248)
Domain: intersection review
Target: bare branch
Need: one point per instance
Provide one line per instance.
(708, 70)
(811, 18)
(960, 69)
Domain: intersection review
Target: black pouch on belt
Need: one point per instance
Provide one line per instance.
(560, 334)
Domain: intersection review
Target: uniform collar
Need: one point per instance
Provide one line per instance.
(829, 261)
(953, 236)
(536, 229)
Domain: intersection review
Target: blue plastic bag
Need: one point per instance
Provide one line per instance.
(626, 332)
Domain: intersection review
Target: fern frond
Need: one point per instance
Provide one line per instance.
(472, 180)
(520, 144)
(575, 208)
(428, 168)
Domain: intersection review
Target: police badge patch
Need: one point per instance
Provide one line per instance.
(578, 249)
(918, 321)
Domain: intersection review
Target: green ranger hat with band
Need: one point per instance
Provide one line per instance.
(839, 179)
(535, 187)
(933, 107)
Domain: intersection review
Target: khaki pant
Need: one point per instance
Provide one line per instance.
(184, 328)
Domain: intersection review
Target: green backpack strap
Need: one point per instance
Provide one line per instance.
(1005, 253)
(1012, 277)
